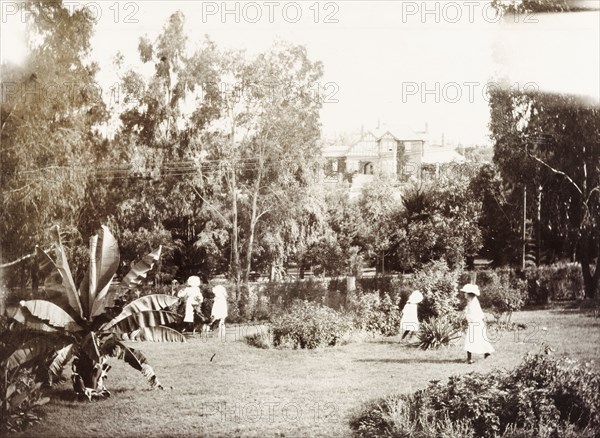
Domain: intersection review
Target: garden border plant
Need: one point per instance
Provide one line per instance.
(544, 395)
(88, 324)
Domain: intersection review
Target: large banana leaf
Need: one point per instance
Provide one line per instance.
(140, 269)
(115, 348)
(35, 349)
(90, 346)
(148, 318)
(60, 360)
(59, 283)
(53, 281)
(104, 261)
(148, 302)
(52, 314)
(157, 334)
(24, 316)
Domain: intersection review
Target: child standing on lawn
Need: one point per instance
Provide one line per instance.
(192, 298)
(219, 309)
(410, 321)
(476, 341)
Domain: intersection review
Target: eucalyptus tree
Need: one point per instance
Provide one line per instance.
(266, 140)
(50, 113)
(158, 187)
(550, 144)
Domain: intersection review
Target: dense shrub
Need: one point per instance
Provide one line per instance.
(259, 340)
(284, 294)
(20, 389)
(502, 294)
(310, 325)
(378, 316)
(544, 396)
(557, 282)
(439, 285)
(21, 396)
(439, 332)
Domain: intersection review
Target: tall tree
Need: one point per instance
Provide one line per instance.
(159, 188)
(550, 144)
(269, 142)
(50, 113)
(379, 204)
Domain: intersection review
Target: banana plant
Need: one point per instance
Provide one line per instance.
(87, 325)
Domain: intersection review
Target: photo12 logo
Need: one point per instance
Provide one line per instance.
(270, 12)
(453, 12)
(117, 11)
(270, 412)
(454, 92)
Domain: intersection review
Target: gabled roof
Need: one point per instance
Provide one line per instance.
(433, 155)
(341, 147)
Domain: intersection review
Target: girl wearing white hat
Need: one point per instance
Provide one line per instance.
(476, 341)
(410, 321)
(219, 308)
(193, 298)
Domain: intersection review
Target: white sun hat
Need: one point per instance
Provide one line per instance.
(415, 297)
(219, 290)
(193, 281)
(471, 288)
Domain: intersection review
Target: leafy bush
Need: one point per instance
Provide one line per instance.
(562, 281)
(439, 285)
(20, 395)
(21, 389)
(438, 332)
(259, 340)
(310, 325)
(285, 294)
(503, 295)
(543, 396)
(375, 315)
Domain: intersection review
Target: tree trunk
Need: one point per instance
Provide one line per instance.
(235, 268)
(89, 376)
(591, 281)
(253, 216)
(253, 219)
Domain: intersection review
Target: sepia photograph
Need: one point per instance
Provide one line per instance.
(300, 218)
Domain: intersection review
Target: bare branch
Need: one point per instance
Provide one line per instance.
(16, 262)
(560, 172)
(209, 204)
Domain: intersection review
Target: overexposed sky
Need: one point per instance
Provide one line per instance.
(404, 63)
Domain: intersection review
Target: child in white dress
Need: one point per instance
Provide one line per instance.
(219, 308)
(193, 298)
(477, 340)
(410, 320)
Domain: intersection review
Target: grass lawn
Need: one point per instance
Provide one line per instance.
(246, 391)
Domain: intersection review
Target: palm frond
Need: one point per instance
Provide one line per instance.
(139, 271)
(54, 315)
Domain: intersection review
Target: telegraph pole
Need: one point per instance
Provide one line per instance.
(524, 218)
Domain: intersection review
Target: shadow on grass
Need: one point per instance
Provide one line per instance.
(411, 360)
(64, 394)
